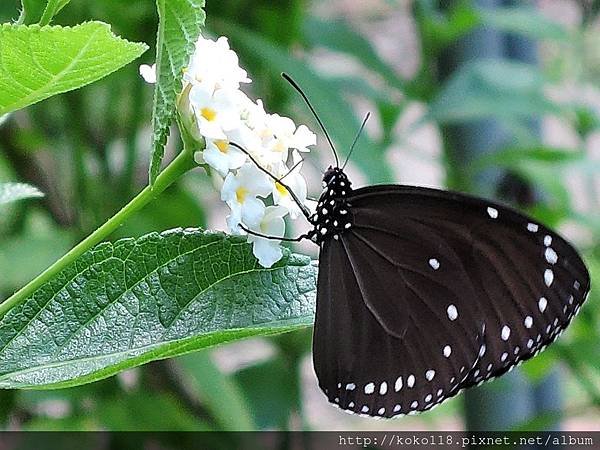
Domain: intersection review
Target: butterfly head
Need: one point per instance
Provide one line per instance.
(336, 182)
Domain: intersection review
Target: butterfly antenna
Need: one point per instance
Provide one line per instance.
(305, 211)
(312, 109)
(364, 122)
(291, 170)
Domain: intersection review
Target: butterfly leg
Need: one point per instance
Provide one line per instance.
(278, 238)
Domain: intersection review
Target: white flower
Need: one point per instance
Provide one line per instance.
(286, 135)
(268, 251)
(254, 116)
(148, 73)
(215, 115)
(297, 184)
(223, 156)
(216, 111)
(215, 65)
(240, 192)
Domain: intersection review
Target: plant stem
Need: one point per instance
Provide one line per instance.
(180, 165)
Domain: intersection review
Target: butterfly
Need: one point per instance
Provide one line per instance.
(422, 293)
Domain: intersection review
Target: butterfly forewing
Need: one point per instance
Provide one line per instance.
(429, 292)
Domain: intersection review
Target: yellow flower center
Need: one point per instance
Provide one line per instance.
(222, 145)
(282, 190)
(209, 114)
(279, 147)
(240, 194)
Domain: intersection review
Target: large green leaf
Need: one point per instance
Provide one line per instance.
(11, 192)
(38, 62)
(180, 23)
(127, 303)
(334, 110)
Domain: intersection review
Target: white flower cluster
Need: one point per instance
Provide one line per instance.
(213, 108)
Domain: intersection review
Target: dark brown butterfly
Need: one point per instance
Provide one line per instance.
(423, 292)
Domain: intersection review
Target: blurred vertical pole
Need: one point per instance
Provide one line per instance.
(510, 400)
(547, 393)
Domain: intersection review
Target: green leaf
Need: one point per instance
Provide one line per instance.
(180, 23)
(25, 255)
(52, 8)
(523, 20)
(38, 62)
(492, 88)
(335, 112)
(123, 304)
(338, 36)
(220, 393)
(161, 412)
(11, 192)
(512, 157)
(31, 11)
(40, 11)
(270, 391)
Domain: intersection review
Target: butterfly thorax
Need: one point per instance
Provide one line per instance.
(332, 216)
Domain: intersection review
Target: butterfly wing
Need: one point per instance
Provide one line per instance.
(427, 283)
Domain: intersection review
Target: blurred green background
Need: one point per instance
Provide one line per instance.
(500, 98)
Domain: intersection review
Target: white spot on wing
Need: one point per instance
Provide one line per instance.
(548, 277)
(542, 304)
(350, 386)
(492, 212)
(434, 263)
(410, 381)
(528, 322)
(452, 312)
(398, 384)
(532, 227)
(430, 374)
(505, 333)
(547, 240)
(551, 255)
(447, 351)
(383, 388)
(369, 388)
